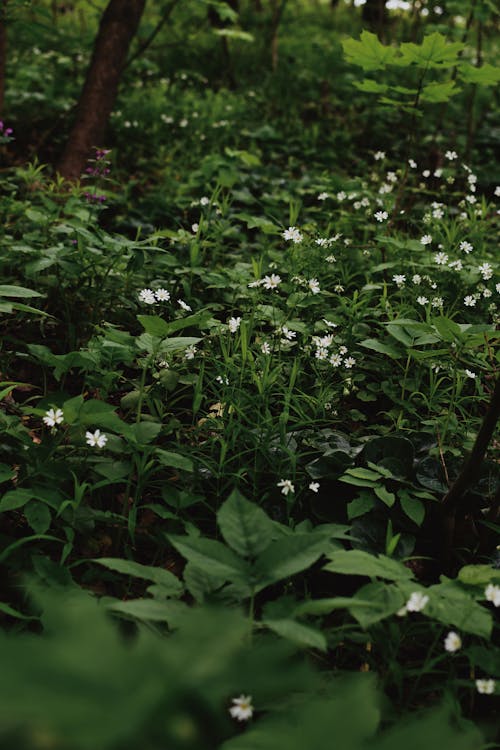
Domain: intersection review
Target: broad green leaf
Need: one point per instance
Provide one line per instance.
(368, 52)
(38, 516)
(143, 433)
(478, 575)
(174, 460)
(360, 563)
(9, 290)
(486, 75)
(375, 602)
(14, 499)
(212, 555)
(438, 92)
(371, 87)
(362, 473)
(378, 346)
(288, 556)
(362, 504)
(303, 635)
(412, 506)
(434, 52)
(389, 498)
(244, 526)
(154, 325)
(150, 610)
(7, 610)
(160, 576)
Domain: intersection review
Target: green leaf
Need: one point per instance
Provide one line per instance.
(15, 499)
(434, 52)
(389, 498)
(486, 75)
(451, 605)
(9, 290)
(244, 526)
(150, 610)
(298, 633)
(378, 346)
(38, 516)
(478, 575)
(159, 576)
(212, 555)
(438, 92)
(7, 610)
(412, 506)
(360, 563)
(361, 473)
(375, 602)
(143, 433)
(154, 325)
(362, 504)
(288, 556)
(371, 87)
(369, 53)
(174, 460)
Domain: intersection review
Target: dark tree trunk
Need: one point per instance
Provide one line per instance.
(3, 51)
(117, 28)
(374, 14)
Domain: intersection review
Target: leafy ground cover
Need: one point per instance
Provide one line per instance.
(244, 362)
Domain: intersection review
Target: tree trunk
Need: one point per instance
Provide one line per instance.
(3, 52)
(374, 14)
(117, 28)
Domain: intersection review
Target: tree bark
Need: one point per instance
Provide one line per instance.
(117, 28)
(3, 51)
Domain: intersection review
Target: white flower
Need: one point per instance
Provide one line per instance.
(329, 323)
(485, 686)
(335, 360)
(456, 265)
(438, 172)
(189, 352)
(466, 247)
(471, 199)
(349, 362)
(412, 163)
(437, 302)
(265, 348)
(313, 285)
(286, 486)
(222, 380)
(379, 155)
(272, 281)
(381, 215)
(416, 602)
(422, 300)
(321, 353)
(486, 271)
(194, 228)
(287, 334)
(314, 486)
(452, 642)
(469, 301)
(426, 173)
(242, 708)
(322, 241)
(391, 177)
(492, 594)
(254, 284)
(162, 295)
(426, 239)
(184, 305)
(441, 259)
(451, 155)
(234, 324)
(470, 374)
(147, 296)
(497, 191)
(204, 201)
(330, 258)
(292, 234)
(323, 196)
(96, 439)
(341, 196)
(399, 279)
(53, 417)
(416, 279)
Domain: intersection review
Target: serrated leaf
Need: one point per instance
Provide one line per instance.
(486, 75)
(371, 87)
(244, 526)
(368, 52)
(433, 52)
(438, 92)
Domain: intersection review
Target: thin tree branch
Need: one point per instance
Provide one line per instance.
(150, 39)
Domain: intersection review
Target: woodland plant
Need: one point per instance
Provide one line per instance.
(240, 407)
